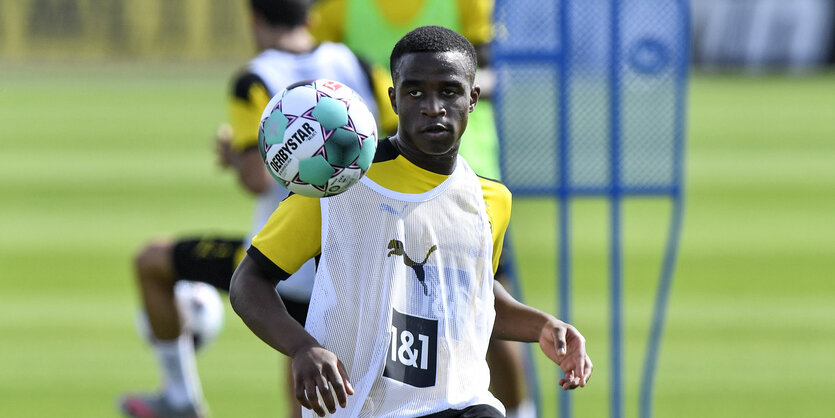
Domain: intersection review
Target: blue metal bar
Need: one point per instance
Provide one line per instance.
(526, 57)
(603, 191)
(531, 375)
(509, 266)
(566, 407)
(659, 313)
(616, 261)
(665, 282)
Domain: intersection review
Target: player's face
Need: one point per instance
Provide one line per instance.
(433, 96)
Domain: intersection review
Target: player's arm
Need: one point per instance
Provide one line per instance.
(253, 297)
(270, 258)
(237, 145)
(561, 342)
(247, 164)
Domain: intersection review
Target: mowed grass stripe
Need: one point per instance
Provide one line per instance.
(97, 162)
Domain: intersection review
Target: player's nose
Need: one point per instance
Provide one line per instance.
(432, 106)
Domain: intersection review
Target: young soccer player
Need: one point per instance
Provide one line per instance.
(287, 53)
(404, 302)
(371, 28)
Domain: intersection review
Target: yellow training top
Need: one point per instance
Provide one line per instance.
(300, 218)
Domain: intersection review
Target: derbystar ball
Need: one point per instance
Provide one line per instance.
(317, 138)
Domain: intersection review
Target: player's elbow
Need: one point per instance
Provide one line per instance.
(236, 293)
(240, 291)
(252, 174)
(255, 183)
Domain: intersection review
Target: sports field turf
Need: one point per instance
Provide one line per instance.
(94, 161)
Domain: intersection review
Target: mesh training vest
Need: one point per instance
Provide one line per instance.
(404, 296)
(278, 69)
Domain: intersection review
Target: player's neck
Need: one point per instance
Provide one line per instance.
(296, 40)
(439, 164)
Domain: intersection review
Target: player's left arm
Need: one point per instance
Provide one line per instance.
(237, 144)
(561, 342)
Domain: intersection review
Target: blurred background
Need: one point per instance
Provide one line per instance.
(108, 110)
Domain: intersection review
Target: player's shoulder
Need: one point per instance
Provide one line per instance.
(335, 47)
(476, 20)
(327, 19)
(302, 204)
(243, 82)
(496, 194)
(497, 200)
(385, 151)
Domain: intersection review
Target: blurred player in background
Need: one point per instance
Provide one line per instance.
(287, 53)
(371, 28)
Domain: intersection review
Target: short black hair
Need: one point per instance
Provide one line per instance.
(283, 13)
(433, 39)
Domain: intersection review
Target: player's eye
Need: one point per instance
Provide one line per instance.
(449, 92)
(415, 93)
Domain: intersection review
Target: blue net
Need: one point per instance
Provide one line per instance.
(589, 95)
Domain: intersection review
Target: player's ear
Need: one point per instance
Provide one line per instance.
(393, 100)
(474, 94)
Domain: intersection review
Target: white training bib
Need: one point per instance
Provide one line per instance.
(404, 296)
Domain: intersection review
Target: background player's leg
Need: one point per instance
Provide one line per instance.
(155, 274)
(174, 349)
(507, 378)
(289, 389)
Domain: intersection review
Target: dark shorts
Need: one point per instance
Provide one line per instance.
(212, 260)
(475, 411)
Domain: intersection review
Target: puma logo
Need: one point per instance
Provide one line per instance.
(396, 247)
(399, 213)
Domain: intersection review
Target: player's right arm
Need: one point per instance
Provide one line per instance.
(253, 297)
(289, 238)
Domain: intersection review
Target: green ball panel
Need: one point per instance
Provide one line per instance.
(262, 145)
(330, 113)
(342, 148)
(274, 127)
(369, 147)
(315, 170)
(276, 177)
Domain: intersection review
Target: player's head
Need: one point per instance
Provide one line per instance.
(433, 39)
(281, 13)
(432, 71)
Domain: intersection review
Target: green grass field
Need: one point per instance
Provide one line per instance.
(94, 161)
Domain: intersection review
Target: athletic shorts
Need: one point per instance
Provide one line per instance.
(212, 260)
(475, 411)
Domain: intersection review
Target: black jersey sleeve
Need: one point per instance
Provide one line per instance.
(269, 268)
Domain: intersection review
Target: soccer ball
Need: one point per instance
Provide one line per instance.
(317, 137)
(201, 313)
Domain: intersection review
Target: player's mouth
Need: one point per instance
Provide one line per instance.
(435, 129)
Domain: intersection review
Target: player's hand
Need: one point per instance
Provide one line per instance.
(315, 368)
(564, 345)
(223, 145)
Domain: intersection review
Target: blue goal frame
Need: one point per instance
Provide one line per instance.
(636, 50)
